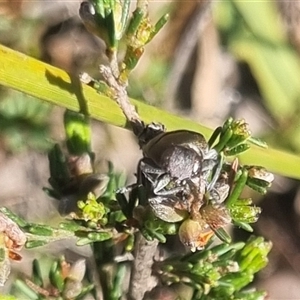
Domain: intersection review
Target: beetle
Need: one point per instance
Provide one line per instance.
(184, 178)
(184, 181)
(174, 165)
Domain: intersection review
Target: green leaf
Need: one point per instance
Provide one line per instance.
(15, 218)
(37, 273)
(7, 297)
(35, 243)
(276, 69)
(78, 131)
(265, 24)
(256, 36)
(43, 230)
(56, 276)
(26, 290)
(51, 84)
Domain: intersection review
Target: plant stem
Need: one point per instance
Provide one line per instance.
(141, 280)
(121, 96)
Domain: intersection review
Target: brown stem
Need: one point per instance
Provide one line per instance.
(121, 97)
(141, 279)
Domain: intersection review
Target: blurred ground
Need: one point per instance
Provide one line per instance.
(204, 80)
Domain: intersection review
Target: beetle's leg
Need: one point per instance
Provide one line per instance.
(158, 179)
(223, 187)
(210, 161)
(161, 187)
(160, 184)
(148, 171)
(212, 154)
(165, 209)
(220, 190)
(127, 203)
(217, 173)
(148, 168)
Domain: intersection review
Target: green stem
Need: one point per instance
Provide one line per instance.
(33, 77)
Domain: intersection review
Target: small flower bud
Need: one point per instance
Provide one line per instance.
(195, 234)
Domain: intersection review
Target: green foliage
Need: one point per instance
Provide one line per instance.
(65, 281)
(23, 123)
(85, 196)
(219, 272)
(78, 133)
(260, 42)
(106, 19)
(45, 82)
(228, 139)
(5, 297)
(110, 21)
(95, 209)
